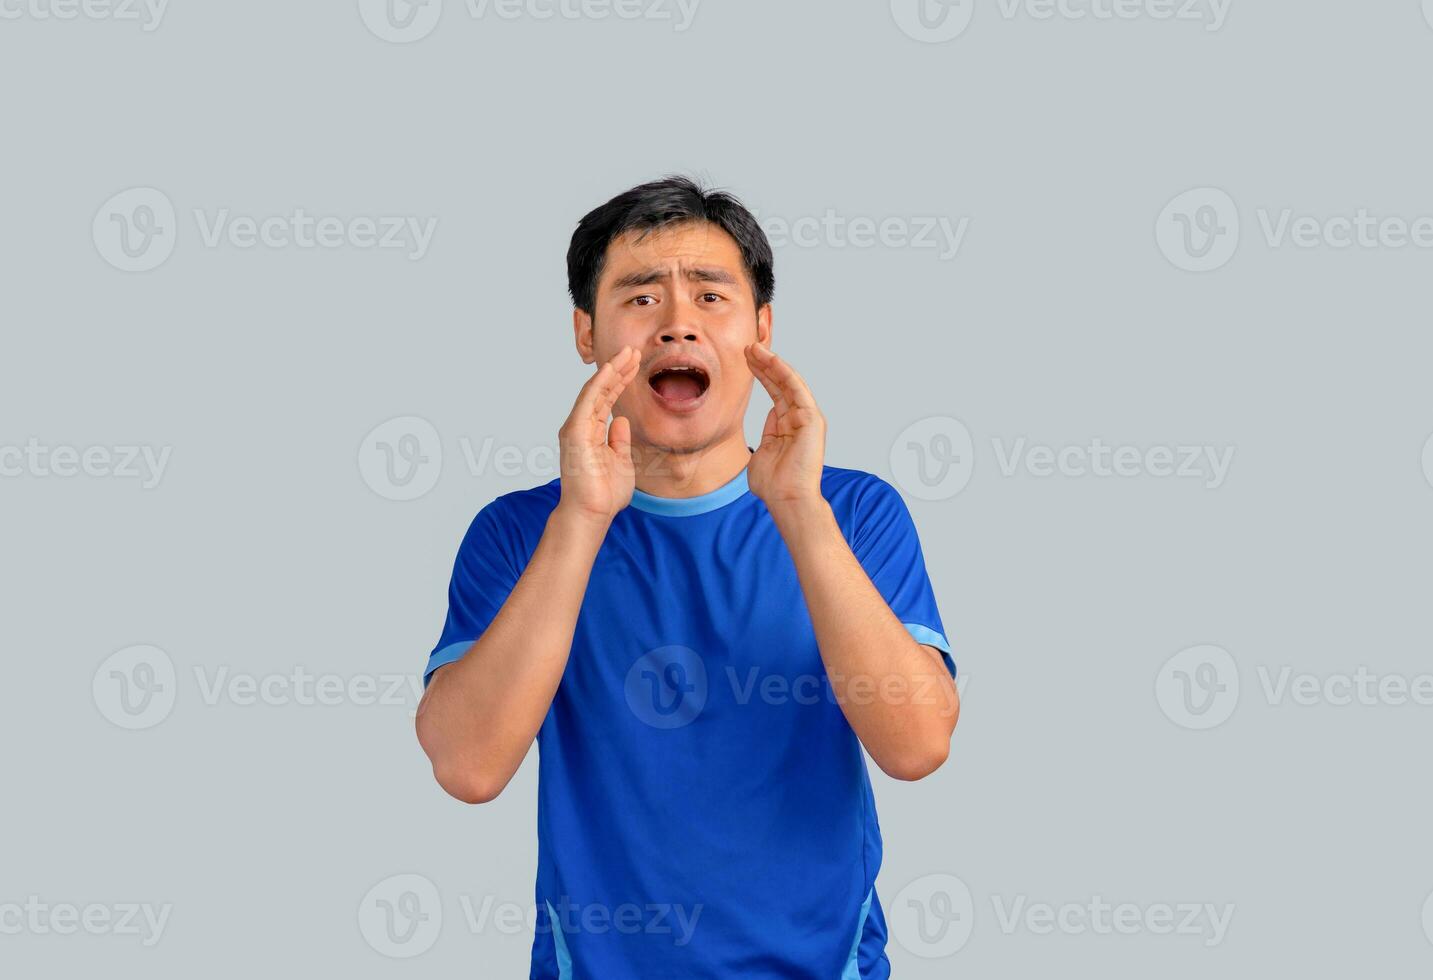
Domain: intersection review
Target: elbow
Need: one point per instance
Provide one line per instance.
(468, 787)
(454, 770)
(918, 763)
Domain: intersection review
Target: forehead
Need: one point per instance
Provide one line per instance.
(691, 243)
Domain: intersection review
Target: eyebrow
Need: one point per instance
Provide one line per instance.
(645, 277)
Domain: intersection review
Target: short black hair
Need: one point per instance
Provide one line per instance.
(674, 199)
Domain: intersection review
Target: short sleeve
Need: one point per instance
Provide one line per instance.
(884, 541)
(484, 574)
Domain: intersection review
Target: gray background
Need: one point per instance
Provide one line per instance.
(266, 547)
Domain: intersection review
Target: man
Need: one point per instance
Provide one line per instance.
(701, 636)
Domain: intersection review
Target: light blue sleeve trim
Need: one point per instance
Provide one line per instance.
(445, 655)
(564, 958)
(924, 634)
(853, 968)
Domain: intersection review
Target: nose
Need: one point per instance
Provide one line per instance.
(679, 321)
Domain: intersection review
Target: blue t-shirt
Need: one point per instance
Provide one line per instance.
(704, 809)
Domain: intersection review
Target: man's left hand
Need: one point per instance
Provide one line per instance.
(785, 470)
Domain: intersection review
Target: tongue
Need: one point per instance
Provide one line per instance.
(677, 386)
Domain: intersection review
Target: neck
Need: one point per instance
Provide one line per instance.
(664, 473)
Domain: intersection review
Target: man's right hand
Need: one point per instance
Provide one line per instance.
(598, 475)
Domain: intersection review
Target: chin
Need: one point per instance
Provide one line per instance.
(688, 433)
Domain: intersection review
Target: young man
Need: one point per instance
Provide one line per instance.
(700, 635)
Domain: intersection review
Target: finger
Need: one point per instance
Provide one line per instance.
(624, 369)
(602, 389)
(758, 369)
(792, 385)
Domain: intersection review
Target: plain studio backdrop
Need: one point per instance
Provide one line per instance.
(1129, 300)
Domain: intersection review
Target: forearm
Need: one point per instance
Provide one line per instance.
(898, 697)
(480, 714)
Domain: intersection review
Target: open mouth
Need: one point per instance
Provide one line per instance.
(680, 387)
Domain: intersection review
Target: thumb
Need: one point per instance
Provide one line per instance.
(619, 437)
(768, 431)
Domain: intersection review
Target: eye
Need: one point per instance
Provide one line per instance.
(715, 296)
(637, 299)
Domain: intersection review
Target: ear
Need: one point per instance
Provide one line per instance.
(582, 335)
(763, 326)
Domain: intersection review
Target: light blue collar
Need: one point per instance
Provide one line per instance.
(687, 506)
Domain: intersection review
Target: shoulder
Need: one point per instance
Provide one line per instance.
(523, 506)
(509, 516)
(859, 498)
(856, 489)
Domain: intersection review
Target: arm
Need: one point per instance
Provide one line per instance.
(480, 713)
(896, 693)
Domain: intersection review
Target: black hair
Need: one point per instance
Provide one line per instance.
(672, 200)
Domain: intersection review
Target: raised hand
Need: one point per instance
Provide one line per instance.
(598, 475)
(786, 468)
